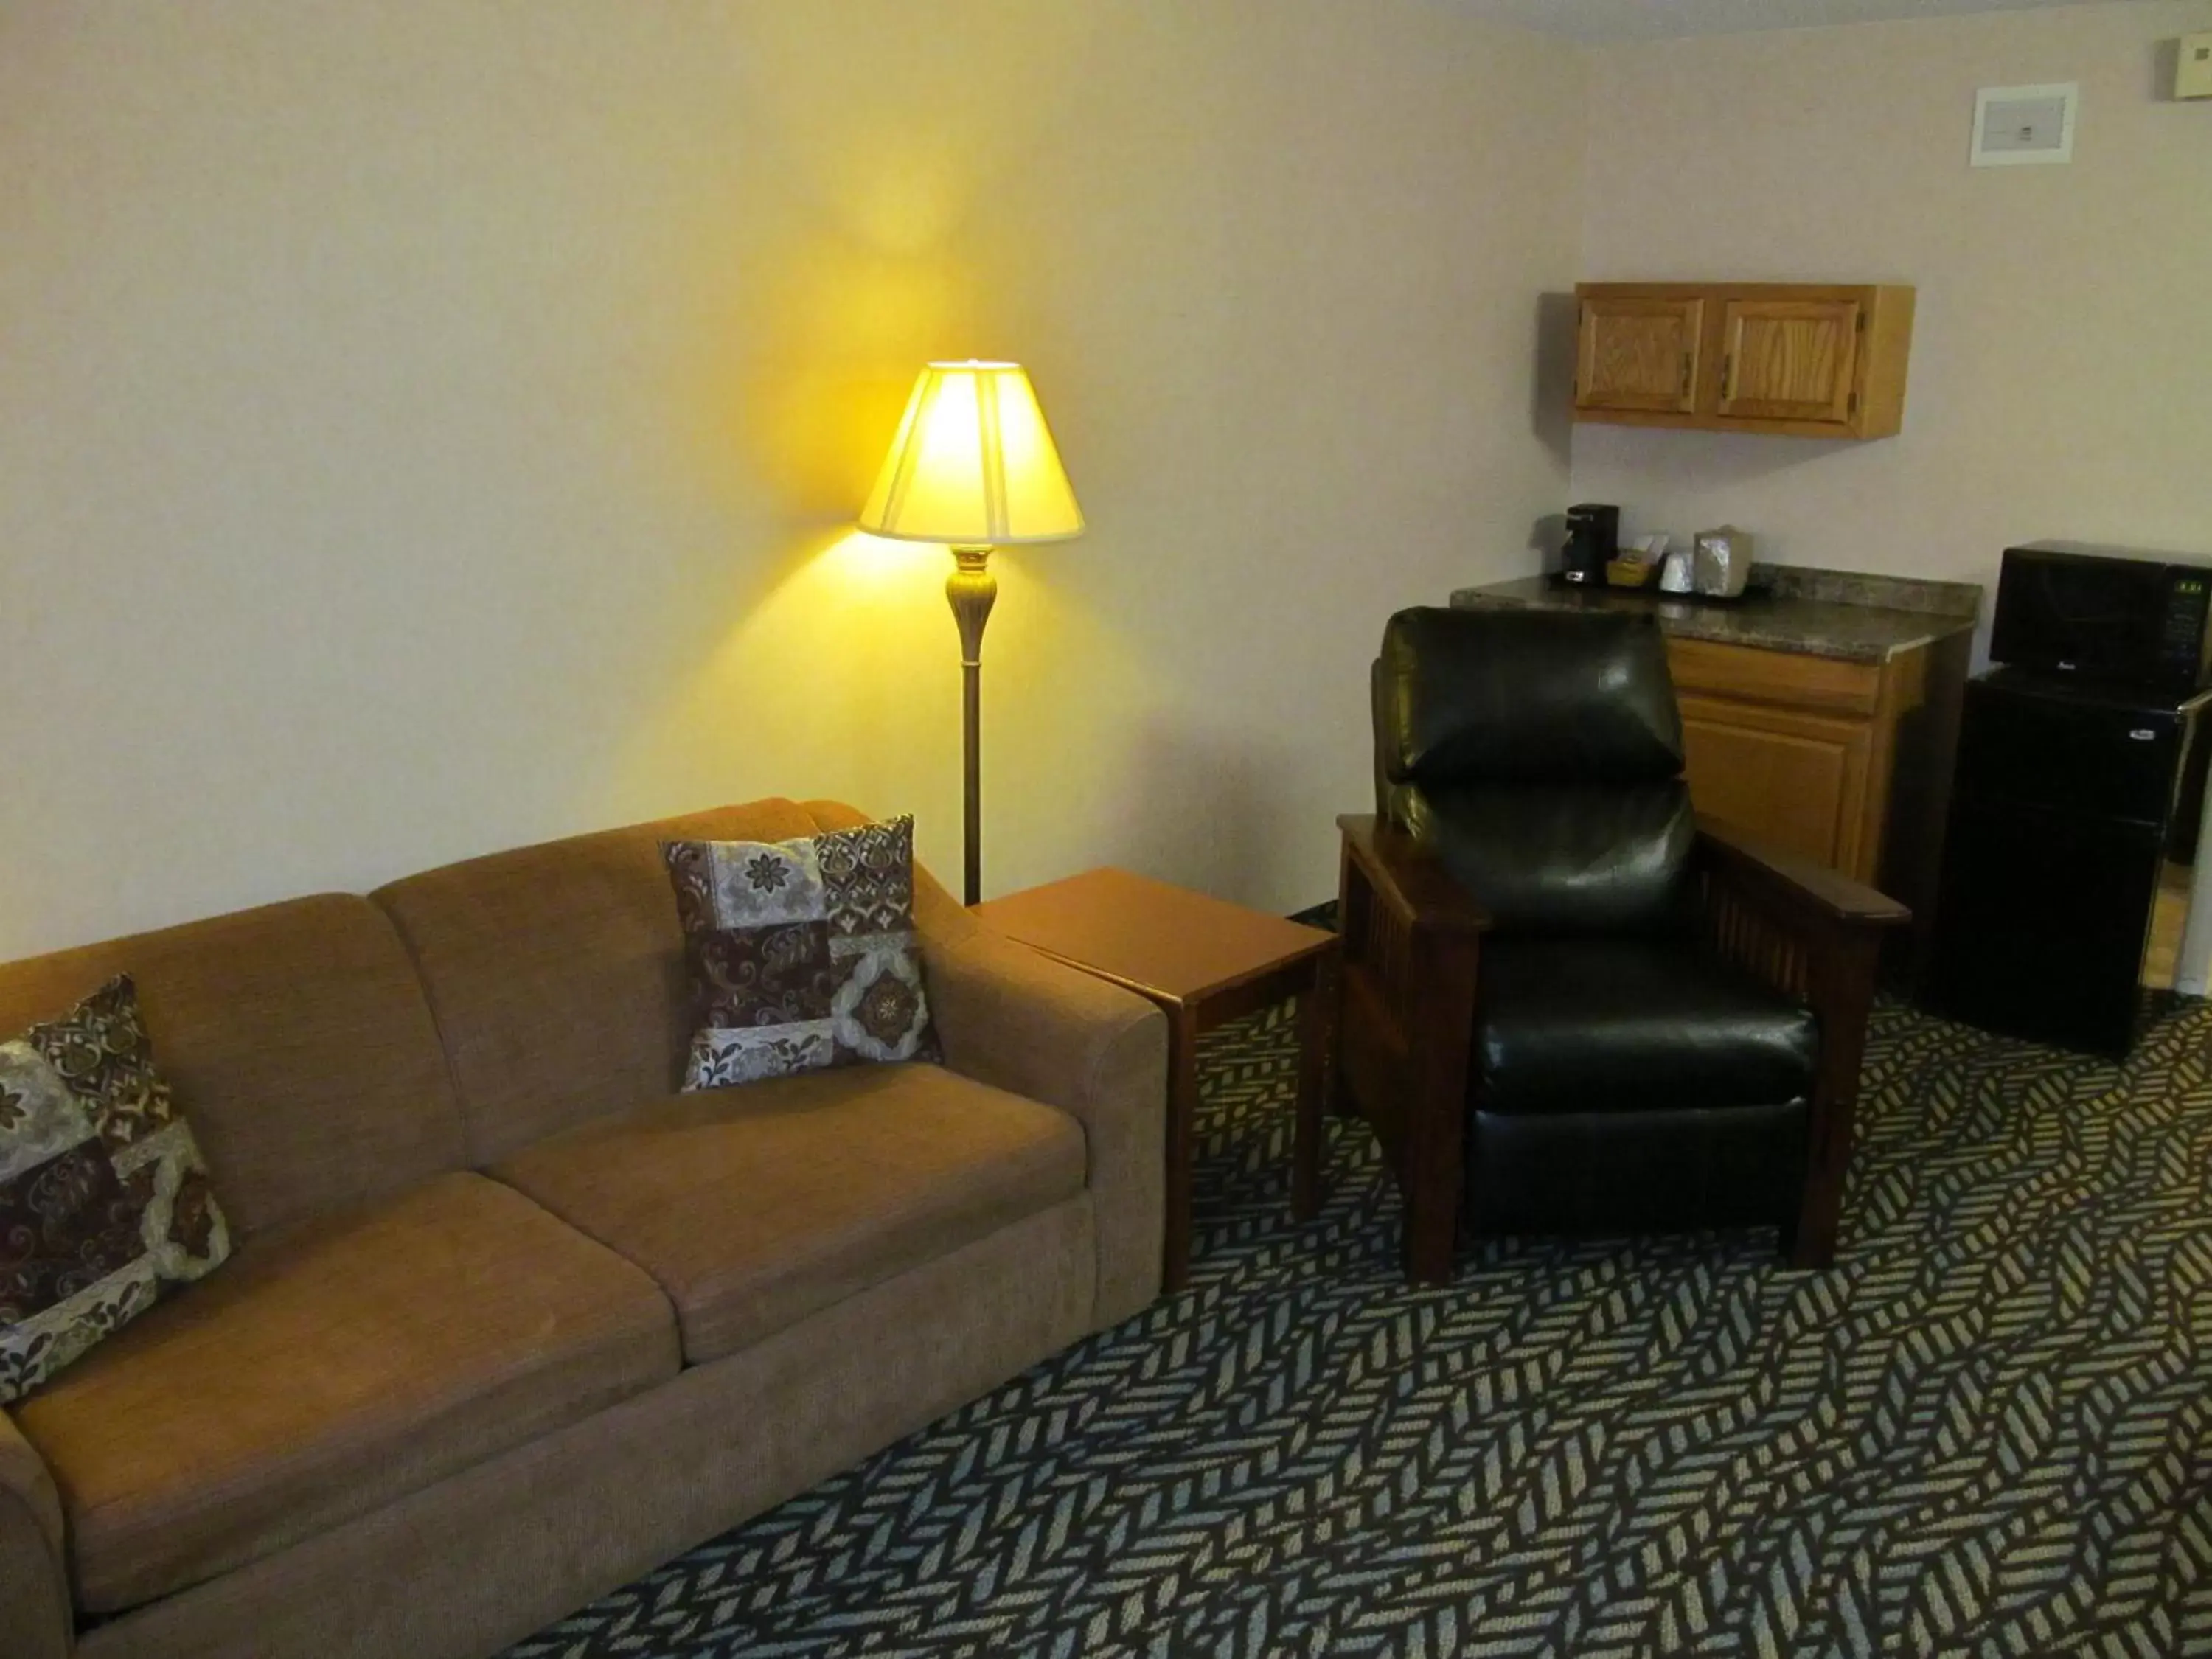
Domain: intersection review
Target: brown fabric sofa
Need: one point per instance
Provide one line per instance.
(510, 1322)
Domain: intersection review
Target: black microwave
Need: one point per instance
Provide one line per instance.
(2104, 613)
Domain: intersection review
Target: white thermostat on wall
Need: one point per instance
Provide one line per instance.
(2019, 125)
(2192, 69)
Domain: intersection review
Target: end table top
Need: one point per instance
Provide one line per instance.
(1162, 941)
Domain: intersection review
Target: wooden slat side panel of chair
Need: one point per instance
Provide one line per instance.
(1738, 930)
(1816, 935)
(1412, 941)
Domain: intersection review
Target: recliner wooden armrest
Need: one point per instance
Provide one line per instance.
(1804, 929)
(1411, 938)
(1407, 877)
(1817, 935)
(1795, 883)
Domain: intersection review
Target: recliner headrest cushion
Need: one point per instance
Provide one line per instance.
(1501, 695)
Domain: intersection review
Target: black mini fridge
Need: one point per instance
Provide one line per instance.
(2067, 800)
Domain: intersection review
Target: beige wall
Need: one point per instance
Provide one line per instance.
(2062, 364)
(428, 428)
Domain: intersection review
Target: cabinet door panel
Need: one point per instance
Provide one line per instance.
(1639, 353)
(1789, 360)
(1795, 781)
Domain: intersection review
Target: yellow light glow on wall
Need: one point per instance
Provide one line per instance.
(974, 464)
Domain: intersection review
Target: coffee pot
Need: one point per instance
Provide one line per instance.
(1593, 539)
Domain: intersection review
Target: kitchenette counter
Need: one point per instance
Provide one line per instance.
(1845, 615)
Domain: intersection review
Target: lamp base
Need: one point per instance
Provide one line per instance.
(971, 590)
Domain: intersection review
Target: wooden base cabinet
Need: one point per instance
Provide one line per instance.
(1842, 763)
(1799, 359)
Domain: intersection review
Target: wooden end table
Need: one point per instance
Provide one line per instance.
(1205, 961)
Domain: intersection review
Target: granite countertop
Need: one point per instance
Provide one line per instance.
(1822, 613)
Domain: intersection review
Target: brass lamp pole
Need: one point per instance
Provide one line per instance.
(973, 467)
(970, 590)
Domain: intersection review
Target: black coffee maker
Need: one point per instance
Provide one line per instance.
(1593, 538)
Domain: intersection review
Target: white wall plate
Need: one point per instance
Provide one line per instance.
(2016, 126)
(2192, 68)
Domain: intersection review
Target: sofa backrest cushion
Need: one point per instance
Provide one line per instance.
(297, 1044)
(557, 971)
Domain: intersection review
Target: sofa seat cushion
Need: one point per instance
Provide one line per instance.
(755, 1207)
(1634, 1024)
(330, 1368)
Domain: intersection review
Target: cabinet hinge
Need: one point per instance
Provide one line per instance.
(1861, 324)
(1851, 407)
(1686, 376)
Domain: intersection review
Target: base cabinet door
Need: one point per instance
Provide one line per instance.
(1793, 779)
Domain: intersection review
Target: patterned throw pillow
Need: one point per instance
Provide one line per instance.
(802, 953)
(103, 1197)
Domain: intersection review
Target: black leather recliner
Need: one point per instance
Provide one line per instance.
(1566, 1003)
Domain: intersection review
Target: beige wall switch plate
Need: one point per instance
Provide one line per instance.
(2193, 73)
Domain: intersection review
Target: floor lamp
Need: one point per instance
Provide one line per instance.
(973, 467)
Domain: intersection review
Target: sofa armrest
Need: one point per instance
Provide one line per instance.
(1019, 1021)
(1015, 1020)
(35, 1621)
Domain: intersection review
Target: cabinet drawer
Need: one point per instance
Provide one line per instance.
(1742, 671)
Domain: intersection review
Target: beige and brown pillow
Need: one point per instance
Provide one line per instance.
(802, 953)
(104, 1201)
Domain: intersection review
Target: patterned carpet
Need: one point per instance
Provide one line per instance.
(1988, 1432)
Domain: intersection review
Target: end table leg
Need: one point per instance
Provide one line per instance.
(1183, 1117)
(1317, 1025)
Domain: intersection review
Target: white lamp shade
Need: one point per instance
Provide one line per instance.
(973, 464)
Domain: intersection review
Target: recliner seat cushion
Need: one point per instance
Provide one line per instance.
(753, 1208)
(330, 1368)
(1632, 1026)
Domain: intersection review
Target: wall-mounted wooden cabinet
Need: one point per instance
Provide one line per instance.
(1797, 359)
